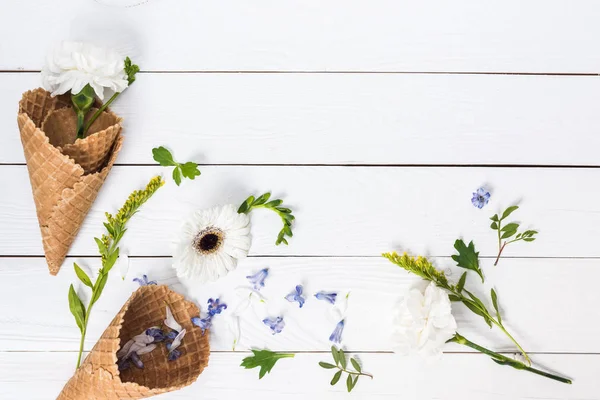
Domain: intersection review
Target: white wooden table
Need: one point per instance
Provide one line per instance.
(374, 121)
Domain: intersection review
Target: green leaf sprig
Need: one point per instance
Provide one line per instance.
(165, 158)
(422, 267)
(130, 70)
(107, 246)
(275, 205)
(467, 257)
(341, 364)
(265, 359)
(509, 230)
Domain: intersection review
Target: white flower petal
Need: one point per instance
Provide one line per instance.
(146, 349)
(177, 341)
(171, 322)
(123, 264)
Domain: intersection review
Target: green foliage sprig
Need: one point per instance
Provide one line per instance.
(509, 230)
(130, 70)
(341, 364)
(265, 359)
(107, 246)
(275, 205)
(165, 158)
(467, 257)
(423, 268)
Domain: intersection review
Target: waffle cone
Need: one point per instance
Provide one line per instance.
(65, 175)
(99, 377)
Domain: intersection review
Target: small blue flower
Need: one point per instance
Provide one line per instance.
(275, 324)
(135, 359)
(174, 355)
(203, 323)
(172, 335)
(258, 280)
(296, 296)
(156, 333)
(214, 307)
(330, 297)
(336, 336)
(143, 281)
(480, 198)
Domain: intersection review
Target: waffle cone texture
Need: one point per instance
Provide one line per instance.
(66, 174)
(99, 377)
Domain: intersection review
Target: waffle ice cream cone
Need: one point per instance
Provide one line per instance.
(99, 377)
(66, 174)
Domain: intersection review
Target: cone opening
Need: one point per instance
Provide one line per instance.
(61, 126)
(147, 309)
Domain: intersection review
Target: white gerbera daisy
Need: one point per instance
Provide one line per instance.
(211, 243)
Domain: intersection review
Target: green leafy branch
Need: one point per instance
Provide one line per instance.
(265, 359)
(467, 257)
(107, 246)
(503, 360)
(130, 70)
(275, 205)
(509, 230)
(339, 357)
(165, 158)
(422, 267)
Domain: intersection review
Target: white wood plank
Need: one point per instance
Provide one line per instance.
(455, 377)
(545, 303)
(347, 118)
(356, 211)
(309, 35)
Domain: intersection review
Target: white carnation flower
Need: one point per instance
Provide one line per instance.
(423, 322)
(72, 65)
(211, 243)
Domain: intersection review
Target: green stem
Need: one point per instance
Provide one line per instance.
(99, 111)
(80, 119)
(484, 311)
(355, 372)
(85, 323)
(503, 360)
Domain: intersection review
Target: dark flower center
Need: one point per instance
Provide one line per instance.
(208, 241)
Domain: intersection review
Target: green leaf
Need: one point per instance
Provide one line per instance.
(110, 261)
(262, 199)
(355, 364)
(508, 211)
(163, 157)
(461, 282)
(336, 378)
(454, 297)
(335, 355)
(494, 226)
(342, 357)
(190, 170)
(177, 176)
(494, 217)
(101, 246)
(349, 383)
(529, 239)
(265, 359)
(495, 303)
(510, 227)
(467, 257)
(284, 213)
(326, 365)
(355, 380)
(98, 288)
(130, 69)
(77, 308)
(508, 234)
(82, 276)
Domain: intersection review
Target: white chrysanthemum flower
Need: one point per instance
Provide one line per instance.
(72, 65)
(423, 322)
(211, 243)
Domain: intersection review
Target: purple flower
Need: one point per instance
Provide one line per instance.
(143, 281)
(296, 296)
(203, 323)
(336, 336)
(330, 297)
(258, 280)
(172, 335)
(156, 333)
(275, 324)
(174, 355)
(135, 359)
(123, 364)
(214, 307)
(480, 198)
